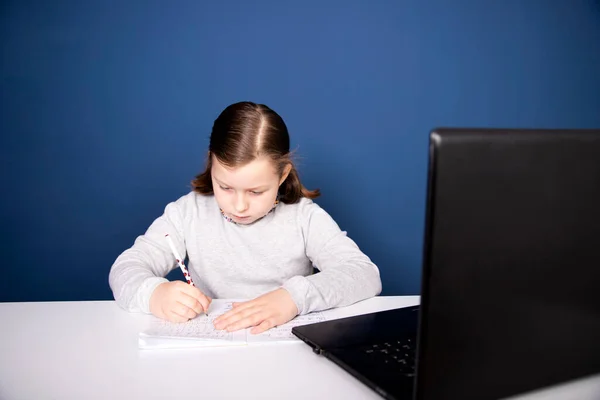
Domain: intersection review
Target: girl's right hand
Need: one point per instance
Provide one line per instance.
(178, 301)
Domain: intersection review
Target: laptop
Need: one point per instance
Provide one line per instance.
(511, 269)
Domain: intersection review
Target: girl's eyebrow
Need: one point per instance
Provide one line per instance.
(252, 189)
(220, 182)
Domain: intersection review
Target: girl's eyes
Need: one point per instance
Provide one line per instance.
(251, 192)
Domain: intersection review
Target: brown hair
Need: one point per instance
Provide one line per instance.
(245, 131)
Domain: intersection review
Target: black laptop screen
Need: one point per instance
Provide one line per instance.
(511, 263)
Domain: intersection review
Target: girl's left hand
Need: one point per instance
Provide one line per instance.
(264, 312)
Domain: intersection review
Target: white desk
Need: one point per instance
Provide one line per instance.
(89, 350)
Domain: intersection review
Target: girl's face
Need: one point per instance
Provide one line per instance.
(246, 193)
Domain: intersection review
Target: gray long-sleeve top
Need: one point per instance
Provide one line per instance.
(227, 260)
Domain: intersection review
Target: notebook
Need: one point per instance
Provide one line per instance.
(510, 274)
(200, 331)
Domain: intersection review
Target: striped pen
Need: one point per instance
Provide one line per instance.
(179, 260)
(187, 275)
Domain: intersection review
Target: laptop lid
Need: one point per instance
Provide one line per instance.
(511, 262)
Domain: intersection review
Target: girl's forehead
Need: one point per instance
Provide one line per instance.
(258, 172)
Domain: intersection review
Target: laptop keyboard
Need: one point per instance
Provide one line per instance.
(398, 355)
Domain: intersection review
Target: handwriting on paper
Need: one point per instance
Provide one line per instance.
(284, 331)
(202, 328)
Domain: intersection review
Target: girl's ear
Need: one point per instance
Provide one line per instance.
(286, 172)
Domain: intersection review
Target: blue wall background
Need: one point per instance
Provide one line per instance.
(107, 107)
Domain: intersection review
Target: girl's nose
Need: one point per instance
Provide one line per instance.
(241, 204)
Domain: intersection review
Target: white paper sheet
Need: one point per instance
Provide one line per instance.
(200, 332)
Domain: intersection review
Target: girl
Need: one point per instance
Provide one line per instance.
(250, 230)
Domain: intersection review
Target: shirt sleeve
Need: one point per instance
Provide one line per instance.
(346, 274)
(140, 269)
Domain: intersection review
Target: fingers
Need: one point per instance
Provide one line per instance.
(263, 326)
(264, 312)
(176, 313)
(207, 304)
(192, 291)
(240, 319)
(238, 306)
(182, 311)
(173, 317)
(191, 302)
(178, 301)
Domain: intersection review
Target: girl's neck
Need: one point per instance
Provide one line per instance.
(229, 219)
